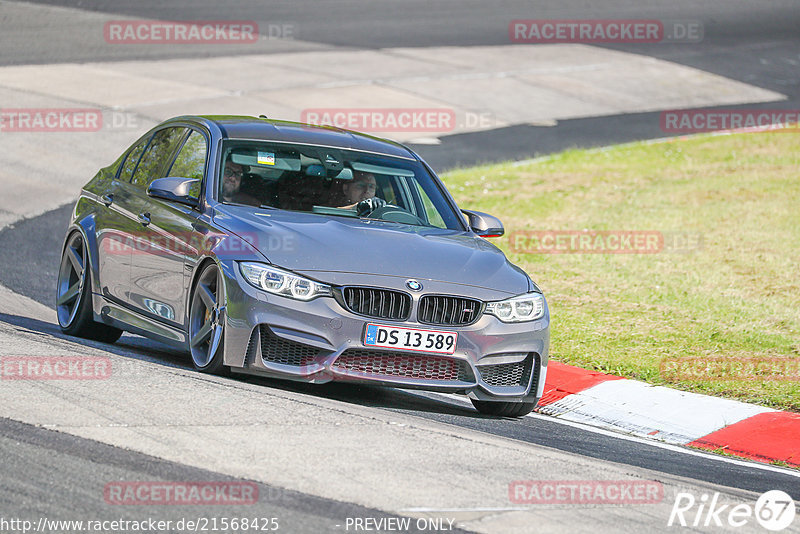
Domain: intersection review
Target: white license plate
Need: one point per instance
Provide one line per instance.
(391, 337)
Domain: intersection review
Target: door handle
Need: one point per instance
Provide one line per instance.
(107, 199)
(144, 218)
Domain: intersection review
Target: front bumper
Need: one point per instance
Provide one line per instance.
(320, 341)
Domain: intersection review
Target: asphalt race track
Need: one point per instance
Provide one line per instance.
(166, 422)
(743, 40)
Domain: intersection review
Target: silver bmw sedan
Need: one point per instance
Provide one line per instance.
(304, 253)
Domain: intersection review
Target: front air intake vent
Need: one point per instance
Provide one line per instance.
(411, 366)
(507, 374)
(278, 350)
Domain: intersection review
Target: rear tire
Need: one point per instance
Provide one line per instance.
(504, 409)
(74, 295)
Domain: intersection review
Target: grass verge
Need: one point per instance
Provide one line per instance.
(716, 309)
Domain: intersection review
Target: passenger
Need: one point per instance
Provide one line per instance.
(232, 184)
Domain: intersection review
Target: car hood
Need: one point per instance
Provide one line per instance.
(310, 243)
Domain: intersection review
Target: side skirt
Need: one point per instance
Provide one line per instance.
(116, 315)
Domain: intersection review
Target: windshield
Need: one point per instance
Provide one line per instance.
(330, 181)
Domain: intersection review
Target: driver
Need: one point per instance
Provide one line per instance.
(359, 193)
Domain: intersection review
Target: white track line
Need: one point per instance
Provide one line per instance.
(651, 412)
(636, 439)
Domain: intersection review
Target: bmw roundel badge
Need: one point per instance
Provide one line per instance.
(413, 285)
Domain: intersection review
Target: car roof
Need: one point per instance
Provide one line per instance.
(245, 127)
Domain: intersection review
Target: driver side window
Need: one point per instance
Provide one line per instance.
(432, 215)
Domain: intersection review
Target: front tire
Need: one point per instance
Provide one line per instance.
(207, 322)
(503, 409)
(74, 295)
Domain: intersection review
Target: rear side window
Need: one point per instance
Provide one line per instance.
(155, 158)
(191, 160)
(129, 165)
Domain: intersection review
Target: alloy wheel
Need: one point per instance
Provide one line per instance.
(71, 279)
(206, 320)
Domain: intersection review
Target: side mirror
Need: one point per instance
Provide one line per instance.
(483, 224)
(175, 189)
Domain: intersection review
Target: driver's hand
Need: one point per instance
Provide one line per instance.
(369, 205)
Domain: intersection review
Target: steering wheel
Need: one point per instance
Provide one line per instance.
(393, 213)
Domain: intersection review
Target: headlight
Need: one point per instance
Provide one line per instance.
(280, 282)
(528, 307)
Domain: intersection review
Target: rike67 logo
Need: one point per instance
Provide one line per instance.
(774, 510)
